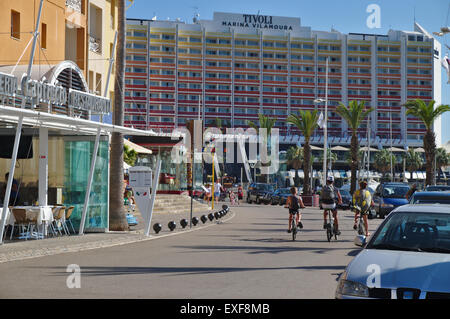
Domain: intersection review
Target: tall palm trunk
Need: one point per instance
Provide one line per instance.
(306, 167)
(429, 145)
(354, 162)
(117, 216)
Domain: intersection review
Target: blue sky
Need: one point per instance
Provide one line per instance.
(343, 15)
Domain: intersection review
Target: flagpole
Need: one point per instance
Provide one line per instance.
(325, 131)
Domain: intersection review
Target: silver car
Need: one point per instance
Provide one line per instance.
(408, 257)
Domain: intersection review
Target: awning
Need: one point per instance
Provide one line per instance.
(316, 148)
(365, 149)
(419, 150)
(139, 149)
(339, 148)
(62, 122)
(396, 149)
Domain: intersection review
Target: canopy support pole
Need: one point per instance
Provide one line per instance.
(95, 151)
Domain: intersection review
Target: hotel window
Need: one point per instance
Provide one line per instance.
(182, 62)
(223, 98)
(253, 65)
(224, 53)
(268, 66)
(182, 39)
(308, 46)
(139, 82)
(267, 100)
(195, 40)
(165, 60)
(180, 73)
(268, 78)
(268, 44)
(211, 75)
(267, 89)
(167, 72)
(239, 53)
(15, 24)
(239, 99)
(252, 43)
(211, 52)
(195, 86)
(239, 42)
(195, 63)
(412, 49)
(224, 64)
(280, 78)
(211, 63)
(268, 55)
(252, 77)
(280, 45)
(295, 45)
(252, 111)
(168, 37)
(364, 60)
(352, 48)
(181, 50)
(252, 100)
(224, 41)
(267, 112)
(140, 34)
(211, 86)
(195, 51)
(223, 110)
(212, 41)
(322, 47)
(252, 54)
(154, 36)
(224, 87)
(364, 49)
(141, 46)
(153, 48)
(138, 70)
(224, 76)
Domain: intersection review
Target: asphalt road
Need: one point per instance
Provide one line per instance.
(250, 256)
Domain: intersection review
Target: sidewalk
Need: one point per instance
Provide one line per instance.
(21, 249)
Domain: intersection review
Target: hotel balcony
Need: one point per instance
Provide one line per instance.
(95, 44)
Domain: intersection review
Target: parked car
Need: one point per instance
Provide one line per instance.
(257, 191)
(430, 198)
(388, 196)
(438, 188)
(280, 196)
(406, 258)
(346, 199)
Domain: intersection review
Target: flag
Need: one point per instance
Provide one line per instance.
(446, 65)
(321, 121)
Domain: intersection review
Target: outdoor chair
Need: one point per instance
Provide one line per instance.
(67, 220)
(25, 223)
(58, 222)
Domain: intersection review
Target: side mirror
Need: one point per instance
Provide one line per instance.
(360, 241)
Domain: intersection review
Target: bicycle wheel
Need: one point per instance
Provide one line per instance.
(361, 230)
(329, 233)
(294, 229)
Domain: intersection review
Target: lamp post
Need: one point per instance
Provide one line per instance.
(325, 128)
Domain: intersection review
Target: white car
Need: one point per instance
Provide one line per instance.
(408, 257)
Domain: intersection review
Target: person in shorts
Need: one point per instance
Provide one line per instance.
(363, 199)
(294, 203)
(330, 195)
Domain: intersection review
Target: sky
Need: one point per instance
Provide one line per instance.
(343, 15)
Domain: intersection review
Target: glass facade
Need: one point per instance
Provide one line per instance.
(78, 154)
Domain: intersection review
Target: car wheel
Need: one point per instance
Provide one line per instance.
(258, 200)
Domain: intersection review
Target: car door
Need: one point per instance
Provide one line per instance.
(377, 198)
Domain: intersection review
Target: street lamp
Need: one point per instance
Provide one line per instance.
(325, 128)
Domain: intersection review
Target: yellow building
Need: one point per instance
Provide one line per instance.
(102, 27)
(62, 22)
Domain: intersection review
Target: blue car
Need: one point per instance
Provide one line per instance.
(389, 196)
(407, 257)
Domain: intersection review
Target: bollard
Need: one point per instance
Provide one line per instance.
(157, 227)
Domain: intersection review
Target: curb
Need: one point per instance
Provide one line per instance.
(138, 237)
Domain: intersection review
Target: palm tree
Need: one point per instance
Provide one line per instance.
(413, 161)
(306, 122)
(354, 115)
(382, 161)
(117, 215)
(129, 155)
(267, 123)
(331, 157)
(294, 156)
(427, 113)
(442, 158)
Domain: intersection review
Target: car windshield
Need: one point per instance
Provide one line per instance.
(430, 200)
(265, 187)
(414, 231)
(437, 188)
(395, 191)
(344, 193)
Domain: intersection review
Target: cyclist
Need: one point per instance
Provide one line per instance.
(294, 203)
(363, 199)
(330, 195)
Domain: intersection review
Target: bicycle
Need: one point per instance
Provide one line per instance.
(361, 228)
(294, 226)
(330, 227)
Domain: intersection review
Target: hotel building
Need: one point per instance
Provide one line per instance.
(236, 66)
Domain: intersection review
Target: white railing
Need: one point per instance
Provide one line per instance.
(74, 4)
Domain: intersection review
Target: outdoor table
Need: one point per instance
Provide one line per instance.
(44, 216)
